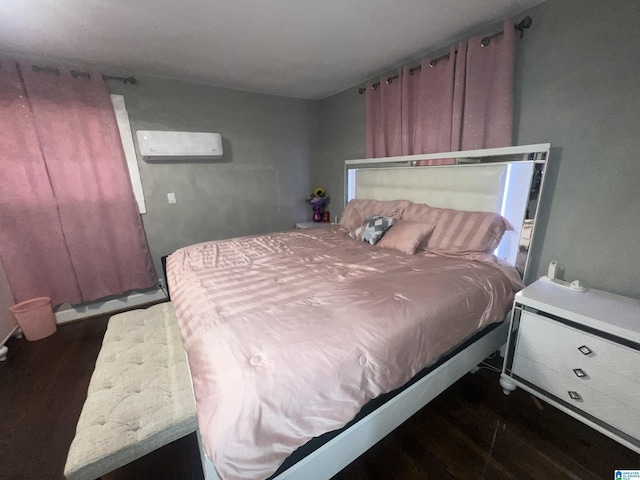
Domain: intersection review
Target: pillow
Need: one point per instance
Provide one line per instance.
(372, 229)
(405, 236)
(458, 231)
(357, 210)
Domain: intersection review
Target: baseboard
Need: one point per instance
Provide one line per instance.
(67, 313)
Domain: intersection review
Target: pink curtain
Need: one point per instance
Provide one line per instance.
(35, 258)
(76, 137)
(436, 108)
(488, 91)
(428, 106)
(410, 110)
(463, 102)
(458, 96)
(383, 117)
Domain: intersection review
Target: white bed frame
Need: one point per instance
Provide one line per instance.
(485, 186)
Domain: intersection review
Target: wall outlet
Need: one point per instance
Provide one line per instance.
(171, 197)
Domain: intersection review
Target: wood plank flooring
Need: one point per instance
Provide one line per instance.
(472, 431)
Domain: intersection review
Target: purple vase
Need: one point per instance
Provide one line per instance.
(317, 214)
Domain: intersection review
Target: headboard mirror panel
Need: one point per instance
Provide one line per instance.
(504, 180)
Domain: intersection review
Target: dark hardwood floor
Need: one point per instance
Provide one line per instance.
(471, 431)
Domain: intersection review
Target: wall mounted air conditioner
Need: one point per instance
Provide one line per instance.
(156, 145)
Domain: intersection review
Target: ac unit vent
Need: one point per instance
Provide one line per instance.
(156, 145)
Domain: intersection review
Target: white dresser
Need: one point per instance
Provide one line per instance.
(579, 351)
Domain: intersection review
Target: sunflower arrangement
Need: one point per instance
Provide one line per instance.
(318, 200)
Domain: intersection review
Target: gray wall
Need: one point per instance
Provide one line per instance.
(342, 137)
(578, 87)
(258, 186)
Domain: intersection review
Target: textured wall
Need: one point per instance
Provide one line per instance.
(578, 87)
(258, 186)
(341, 138)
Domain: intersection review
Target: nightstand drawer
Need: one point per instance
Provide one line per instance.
(606, 407)
(562, 348)
(580, 376)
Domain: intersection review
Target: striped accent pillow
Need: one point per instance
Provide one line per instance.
(372, 229)
(357, 210)
(458, 231)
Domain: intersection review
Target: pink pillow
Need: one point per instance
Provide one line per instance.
(405, 236)
(357, 210)
(458, 231)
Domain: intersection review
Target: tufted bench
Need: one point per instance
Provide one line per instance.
(139, 398)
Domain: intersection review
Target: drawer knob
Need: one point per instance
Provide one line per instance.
(574, 395)
(585, 350)
(579, 373)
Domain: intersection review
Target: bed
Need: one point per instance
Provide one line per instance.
(291, 335)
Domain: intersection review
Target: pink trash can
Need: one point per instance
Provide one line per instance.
(35, 317)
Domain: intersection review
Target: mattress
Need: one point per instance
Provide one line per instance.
(289, 334)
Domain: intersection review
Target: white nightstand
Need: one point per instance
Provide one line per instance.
(313, 224)
(579, 351)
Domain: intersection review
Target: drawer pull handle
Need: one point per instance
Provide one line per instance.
(574, 395)
(584, 350)
(579, 373)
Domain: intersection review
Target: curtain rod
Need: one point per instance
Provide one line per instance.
(520, 26)
(77, 73)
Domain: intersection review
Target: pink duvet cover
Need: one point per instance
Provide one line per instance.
(289, 334)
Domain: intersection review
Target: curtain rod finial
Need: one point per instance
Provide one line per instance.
(524, 23)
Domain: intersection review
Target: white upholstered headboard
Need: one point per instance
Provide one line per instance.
(463, 187)
(500, 182)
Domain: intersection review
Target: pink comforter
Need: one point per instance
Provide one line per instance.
(289, 334)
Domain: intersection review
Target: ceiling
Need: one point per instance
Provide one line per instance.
(295, 48)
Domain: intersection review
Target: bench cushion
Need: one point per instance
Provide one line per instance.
(140, 396)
